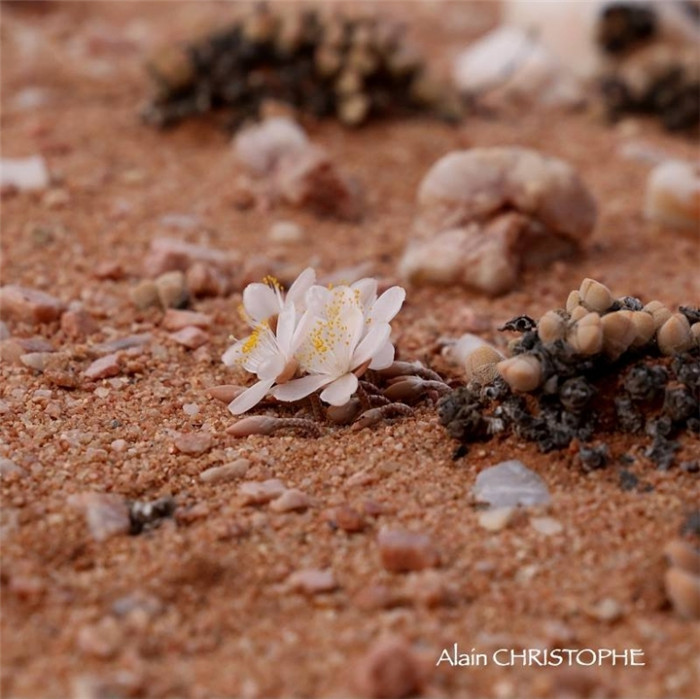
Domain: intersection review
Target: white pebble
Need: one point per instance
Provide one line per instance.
(673, 194)
(24, 173)
(190, 409)
(509, 484)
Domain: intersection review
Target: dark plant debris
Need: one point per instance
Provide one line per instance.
(323, 63)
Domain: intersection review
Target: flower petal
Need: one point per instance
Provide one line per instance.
(373, 341)
(300, 388)
(286, 322)
(368, 291)
(250, 397)
(271, 367)
(340, 391)
(384, 357)
(297, 291)
(316, 299)
(233, 354)
(387, 305)
(260, 302)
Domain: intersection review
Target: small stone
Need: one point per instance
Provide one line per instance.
(348, 518)
(35, 360)
(172, 289)
(106, 514)
(25, 174)
(607, 609)
(55, 199)
(312, 581)
(673, 194)
(144, 295)
(291, 500)
(109, 365)
(29, 305)
(683, 590)
(169, 254)
(78, 324)
(260, 147)
(194, 443)
(109, 270)
(177, 320)
(261, 492)
(402, 551)
(546, 525)
(4, 331)
(285, 232)
(190, 337)
(496, 519)
(226, 472)
(389, 670)
(122, 343)
(206, 280)
(7, 466)
(509, 484)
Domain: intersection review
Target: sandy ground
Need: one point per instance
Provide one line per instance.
(215, 616)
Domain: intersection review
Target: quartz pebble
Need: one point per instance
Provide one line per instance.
(106, 514)
(35, 360)
(546, 525)
(144, 294)
(508, 64)
(260, 147)
(29, 305)
(607, 609)
(207, 280)
(509, 484)
(194, 443)
(291, 500)
(402, 551)
(673, 194)
(285, 232)
(102, 368)
(190, 337)
(122, 343)
(175, 319)
(25, 174)
(312, 581)
(226, 472)
(485, 213)
(496, 519)
(683, 590)
(389, 670)
(261, 492)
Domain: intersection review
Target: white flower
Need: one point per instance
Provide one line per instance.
(268, 354)
(348, 334)
(263, 301)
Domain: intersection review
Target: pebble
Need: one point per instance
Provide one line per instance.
(509, 484)
(122, 343)
(78, 324)
(607, 609)
(7, 466)
(25, 174)
(29, 305)
(508, 63)
(484, 213)
(190, 409)
(35, 360)
(194, 443)
(347, 518)
(260, 147)
(546, 525)
(310, 179)
(402, 551)
(285, 232)
(172, 289)
(106, 514)
(226, 472)
(170, 254)
(175, 319)
(683, 590)
(389, 670)
(108, 270)
(4, 331)
(312, 581)
(206, 280)
(673, 194)
(109, 365)
(190, 337)
(261, 492)
(144, 294)
(496, 519)
(291, 500)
